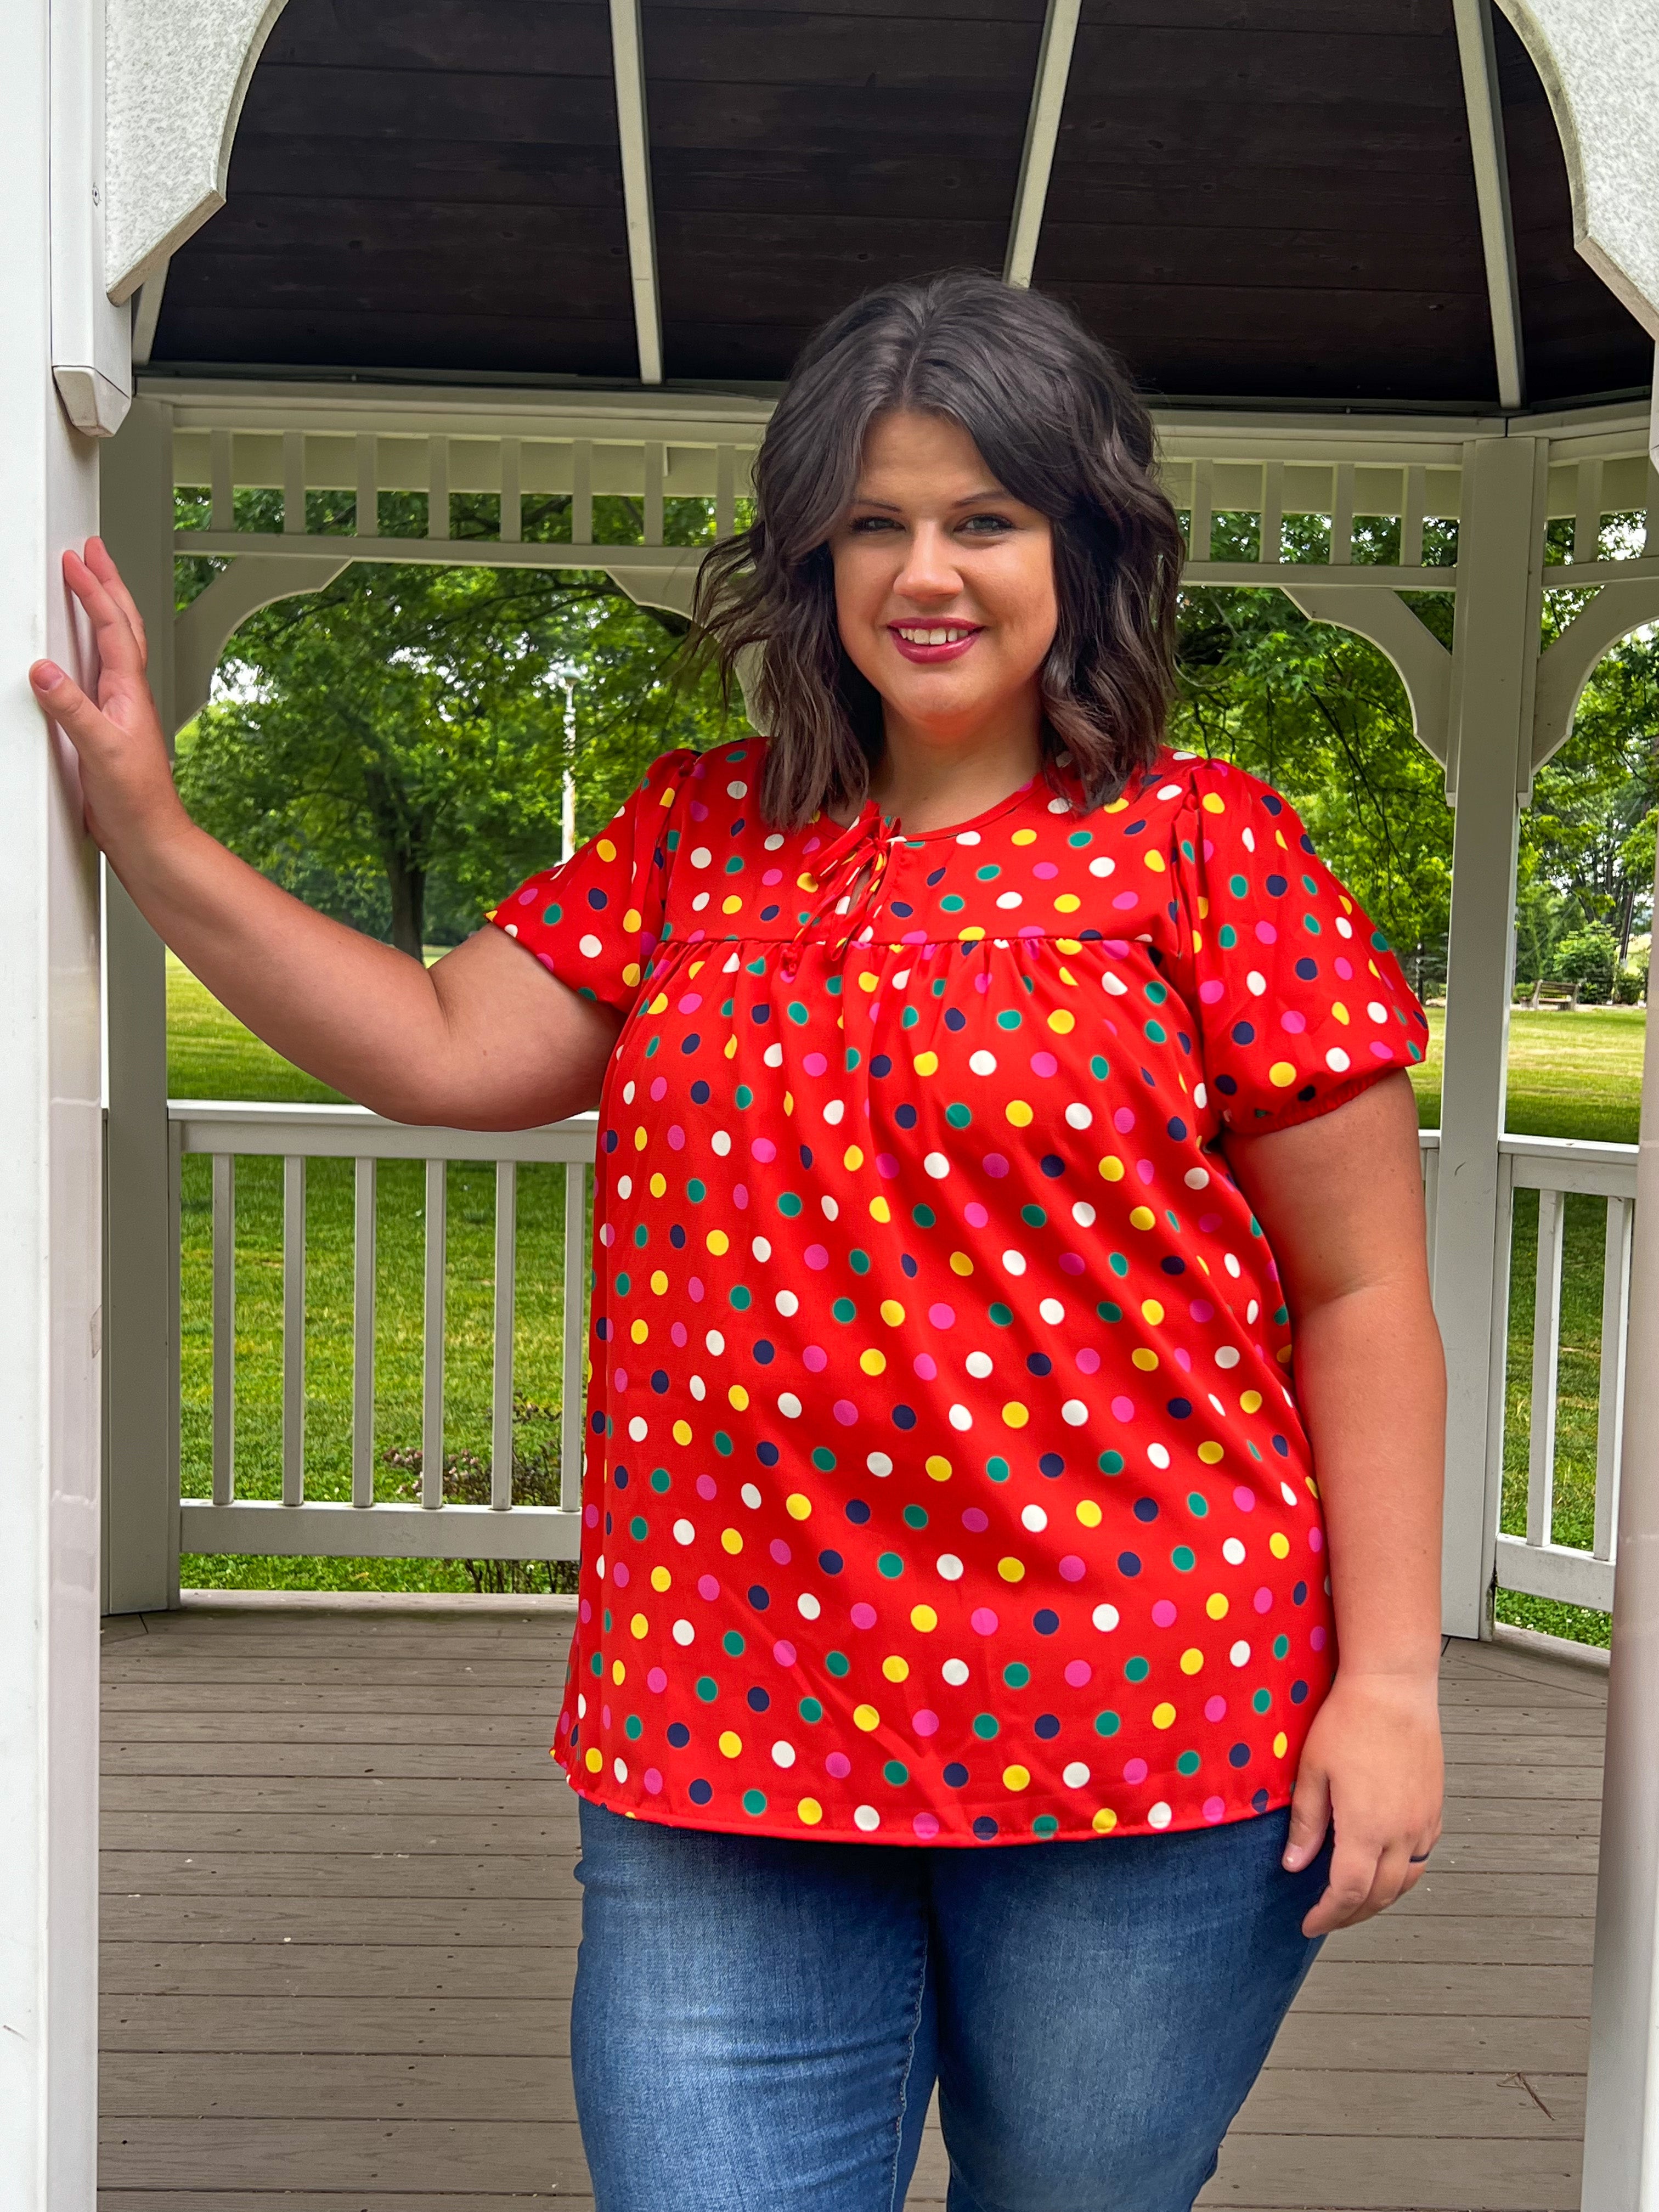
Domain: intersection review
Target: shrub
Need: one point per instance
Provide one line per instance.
(1628, 985)
(1590, 958)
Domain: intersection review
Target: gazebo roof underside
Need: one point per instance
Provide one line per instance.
(1254, 201)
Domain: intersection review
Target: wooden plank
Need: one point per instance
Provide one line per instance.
(381, 1700)
(130, 1731)
(450, 1762)
(574, 2199)
(311, 2086)
(414, 2154)
(1413, 2041)
(543, 1923)
(330, 1873)
(337, 2026)
(1324, 2173)
(1479, 1992)
(321, 1970)
(1402, 2106)
(457, 1833)
(1429, 1939)
(158, 1793)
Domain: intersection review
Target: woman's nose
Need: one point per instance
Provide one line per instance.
(930, 571)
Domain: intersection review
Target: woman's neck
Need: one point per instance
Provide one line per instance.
(927, 783)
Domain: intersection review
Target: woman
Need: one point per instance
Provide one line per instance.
(1007, 1198)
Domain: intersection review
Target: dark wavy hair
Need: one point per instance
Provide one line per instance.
(1061, 427)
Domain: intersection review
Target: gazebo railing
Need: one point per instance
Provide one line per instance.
(301, 1524)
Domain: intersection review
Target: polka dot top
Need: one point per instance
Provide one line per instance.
(944, 1481)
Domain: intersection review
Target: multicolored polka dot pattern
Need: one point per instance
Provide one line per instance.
(944, 1481)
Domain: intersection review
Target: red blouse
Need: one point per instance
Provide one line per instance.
(945, 1479)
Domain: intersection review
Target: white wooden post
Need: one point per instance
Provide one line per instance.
(49, 1146)
(1495, 655)
(141, 1344)
(1622, 2125)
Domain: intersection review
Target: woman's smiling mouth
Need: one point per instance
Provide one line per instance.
(933, 642)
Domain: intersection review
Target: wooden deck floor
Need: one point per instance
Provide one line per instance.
(340, 1923)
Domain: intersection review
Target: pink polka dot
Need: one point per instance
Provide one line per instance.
(780, 1551)
(784, 1652)
(926, 1826)
(942, 1316)
(707, 1487)
(1215, 1708)
(694, 1289)
(1266, 933)
(660, 1088)
(1123, 1409)
(1123, 1120)
(590, 1516)
(1088, 1361)
(1263, 1600)
(1381, 1051)
(1316, 1539)
(982, 1620)
(1210, 992)
(815, 1064)
(924, 1722)
(1163, 1614)
(817, 1257)
(653, 1781)
(925, 1365)
(763, 1150)
(584, 1611)
(1344, 967)
(864, 1616)
(1044, 1063)
(1215, 1808)
(619, 1574)
(1209, 1223)
(975, 1520)
(690, 1002)
(1316, 1640)
(1045, 871)
(656, 1680)
(1145, 1170)
(839, 1765)
(975, 1214)
(707, 1588)
(845, 1411)
(675, 1137)
(994, 1164)
(1079, 1673)
(1293, 1021)
(1243, 1498)
(1072, 1263)
(1071, 1568)
(1201, 1310)
(677, 1336)
(814, 1359)
(1134, 1770)
(1123, 900)
(887, 1166)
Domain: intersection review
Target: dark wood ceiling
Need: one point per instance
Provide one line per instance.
(1252, 199)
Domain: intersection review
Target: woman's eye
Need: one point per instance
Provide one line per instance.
(865, 523)
(988, 525)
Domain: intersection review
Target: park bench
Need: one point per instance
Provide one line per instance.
(1553, 994)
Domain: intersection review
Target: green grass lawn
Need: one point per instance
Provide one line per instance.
(1572, 1074)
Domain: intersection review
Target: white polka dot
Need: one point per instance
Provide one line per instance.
(761, 1247)
(1197, 1178)
(684, 1532)
(1288, 1493)
(1014, 1263)
(1377, 1010)
(1255, 983)
(1103, 867)
(1227, 1356)
(1074, 1413)
(1251, 1311)
(982, 1063)
(955, 1672)
(786, 1303)
(961, 1418)
(699, 856)
(773, 841)
(783, 1754)
(867, 1818)
(1008, 899)
(1084, 1214)
(968, 837)
(750, 1497)
(1114, 985)
(590, 945)
(1170, 790)
(699, 1388)
(950, 1566)
(1233, 1551)
(1034, 1518)
(699, 902)
(624, 1186)
(715, 1342)
(789, 1406)
(1240, 1654)
(830, 1209)
(619, 1768)
(979, 1365)
(773, 1056)
(683, 1633)
(1052, 1311)
(721, 1142)
(1337, 1061)
(1200, 1096)
(878, 1463)
(937, 1166)
(1229, 1262)
(1075, 1775)
(1159, 1816)
(599, 1567)
(737, 790)
(834, 1108)
(807, 1606)
(1344, 927)
(1157, 1455)
(1105, 1617)
(638, 1430)
(1077, 1115)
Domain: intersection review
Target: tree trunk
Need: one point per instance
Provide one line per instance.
(408, 887)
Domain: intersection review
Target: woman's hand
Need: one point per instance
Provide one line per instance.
(125, 778)
(1373, 1770)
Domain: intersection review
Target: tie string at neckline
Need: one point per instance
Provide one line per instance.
(851, 866)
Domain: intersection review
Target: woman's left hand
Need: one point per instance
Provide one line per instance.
(1373, 1771)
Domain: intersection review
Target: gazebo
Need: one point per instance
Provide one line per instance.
(1395, 263)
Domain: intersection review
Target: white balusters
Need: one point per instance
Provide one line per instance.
(294, 1330)
(1198, 531)
(221, 482)
(654, 474)
(511, 526)
(224, 1329)
(1546, 1361)
(437, 488)
(1342, 516)
(362, 1334)
(1273, 510)
(1610, 1404)
(581, 492)
(432, 1378)
(1411, 518)
(368, 485)
(293, 483)
(576, 1334)
(1587, 518)
(726, 493)
(506, 1264)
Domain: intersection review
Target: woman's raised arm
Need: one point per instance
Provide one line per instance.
(484, 1039)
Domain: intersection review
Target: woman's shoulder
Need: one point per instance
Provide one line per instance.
(1215, 785)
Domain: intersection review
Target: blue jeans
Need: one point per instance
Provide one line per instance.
(759, 2022)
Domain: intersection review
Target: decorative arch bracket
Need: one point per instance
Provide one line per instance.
(207, 625)
(1383, 618)
(1569, 664)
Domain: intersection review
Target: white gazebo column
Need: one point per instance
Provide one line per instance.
(140, 1345)
(48, 1183)
(1499, 557)
(1621, 2124)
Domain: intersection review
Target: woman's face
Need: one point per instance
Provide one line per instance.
(944, 586)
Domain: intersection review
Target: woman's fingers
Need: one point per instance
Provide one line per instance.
(120, 656)
(97, 558)
(68, 706)
(1310, 1816)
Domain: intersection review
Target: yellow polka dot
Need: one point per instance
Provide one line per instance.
(1067, 903)
(923, 1618)
(1283, 1355)
(867, 981)
(937, 1467)
(1104, 1821)
(619, 1672)
(852, 1157)
(659, 1186)
(659, 1284)
(1142, 1218)
(1164, 1716)
(1211, 804)
(973, 936)
(892, 1312)
(880, 1209)
(1016, 1777)
(661, 1580)
(865, 1718)
(606, 849)
(639, 1331)
(731, 1742)
(796, 1506)
(737, 1397)
(640, 1141)
(1340, 1010)
(1112, 1167)
(961, 1264)
(1089, 1513)
(631, 973)
(733, 905)
(1280, 1546)
(1209, 1453)
(638, 1627)
(719, 1242)
(1251, 1401)
(1062, 1022)
(1016, 1415)
(1144, 1360)
(632, 920)
(1019, 1113)
(873, 1361)
(1154, 861)
(731, 1541)
(809, 1812)
(1281, 1073)
(1024, 837)
(594, 1760)
(1011, 1570)
(927, 1063)
(1216, 1606)
(894, 1668)
(1151, 1311)
(1281, 1744)
(681, 1433)
(1191, 1661)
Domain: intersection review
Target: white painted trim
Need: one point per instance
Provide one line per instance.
(146, 312)
(1423, 664)
(633, 130)
(1484, 105)
(253, 581)
(350, 1133)
(91, 341)
(1555, 1572)
(1623, 603)
(326, 1530)
(1041, 136)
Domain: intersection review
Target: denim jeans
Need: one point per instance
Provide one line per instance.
(759, 2022)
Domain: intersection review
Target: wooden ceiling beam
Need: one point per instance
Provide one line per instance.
(628, 54)
(1042, 136)
(1484, 109)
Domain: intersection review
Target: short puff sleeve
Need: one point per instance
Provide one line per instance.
(1298, 1000)
(595, 920)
